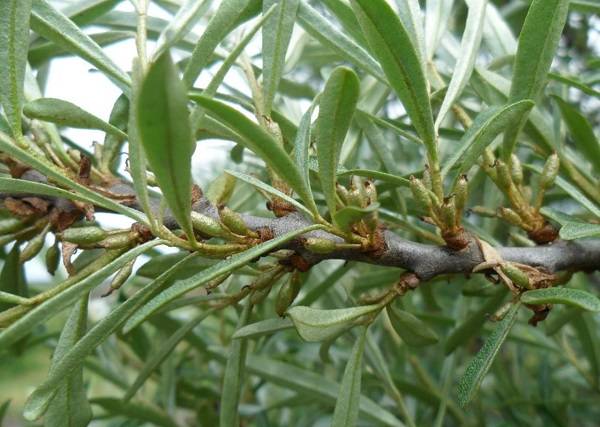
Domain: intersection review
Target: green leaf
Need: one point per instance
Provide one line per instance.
(10, 275)
(73, 359)
(382, 176)
(135, 411)
(253, 137)
(264, 327)
(568, 296)
(469, 47)
(302, 143)
(48, 169)
(64, 113)
(328, 35)
(314, 324)
(182, 23)
(346, 406)
(165, 133)
(401, 62)
(570, 190)
(581, 132)
(233, 376)
(348, 215)
(266, 187)
(474, 322)
(14, 44)
(480, 365)
(70, 406)
(579, 230)
(72, 288)
(572, 81)
(413, 331)
(119, 117)
(234, 262)
(276, 33)
(585, 328)
(337, 106)
(230, 14)
(159, 355)
(538, 41)
(56, 27)
(485, 128)
(437, 15)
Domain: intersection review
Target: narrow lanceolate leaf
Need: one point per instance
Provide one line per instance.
(69, 406)
(469, 46)
(277, 33)
(264, 327)
(234, 262)
(586, 330)
(337, 106)
(348, 215)
(346, 406)
(302, 143)
(229, 14)
(182, 23)
(568, 296)
(165, 133)
(233, 376)
(162, 352)
(56, 27)
(60, 177)
(480, 365)
(14, 44)
(74, 357)
(135, 411)
(537, 44)
(266, 187)
(10, 275)
(579, 230)
(581, 132)
(413, 331)
(314, 324)
(437, 14)
(486, 127)
(392, 45)
(253, 137)
(64, 113)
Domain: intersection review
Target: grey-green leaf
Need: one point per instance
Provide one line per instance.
(14, 45)
(277, 32)
(233, 376)
(182, 23)
(165, 133)
(336, 109)
(253, 137)
(318, 325)
(413, 331)
(579, 230)
(345, 413)
(263, 327)
(558, 295)
(348, 215)
(479, 366)
(135, 411)
(64, 113)
(392, 44)
(537, 44)
(70, 406)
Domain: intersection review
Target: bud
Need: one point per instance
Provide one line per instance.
(52, 258)
(10, 225)
(503, 174)
(426, 178)
(260, 295)
(461, 192)
(510, 216)
(261, 286)
(319, 246)
(34, 246)
(516, 170)
(420, 193)
(550, 171)
(83, 235)
(448, 212)
(514, 273)
(234, 222)
(483, 211)
(501, 312)
(219, 191)
(118, 240)
(120, 278)
(370, 192)
(342, 192)
(288, 293)
(207, 225)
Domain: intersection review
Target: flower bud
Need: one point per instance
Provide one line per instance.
(207, 225)
(34, 246)
(10, 225)
(503, 174)
(234, 222)
(514, 273)
(501, 312)
(258, 296)
(370, 192)
(516, 170)
(420, 193)
(83, 235)
(510, 216)
(319, 246)
(461, 192)
(120, 278)
(483, 211)
(52, 258)
(448, 212)
(550, 171)
(118, 240)
(288, 293)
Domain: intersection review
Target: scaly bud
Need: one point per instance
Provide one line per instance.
(501, 312)
(448, 212)
(208, 226)
(420, 193)
(342, 192)
(514, 273)
(510, 216)
(258, 296)
(10, 225)
(52, 258)
(319, 246)
(118, 240)
(120, 278)
(503, 174)
(370, 192)
(288, 293)
(426, 178)
(483, 211)
(83, 235)
(34, 246)
(516, 170)
(219, 191)
(550, 171)
(234, 222)
(461, 192)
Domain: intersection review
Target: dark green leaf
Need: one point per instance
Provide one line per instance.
(480, 365)
(165, 133)
(337, 106)
(263, 327)
(10, 276)
(134, 411)
(567, 296)
(413, 331)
